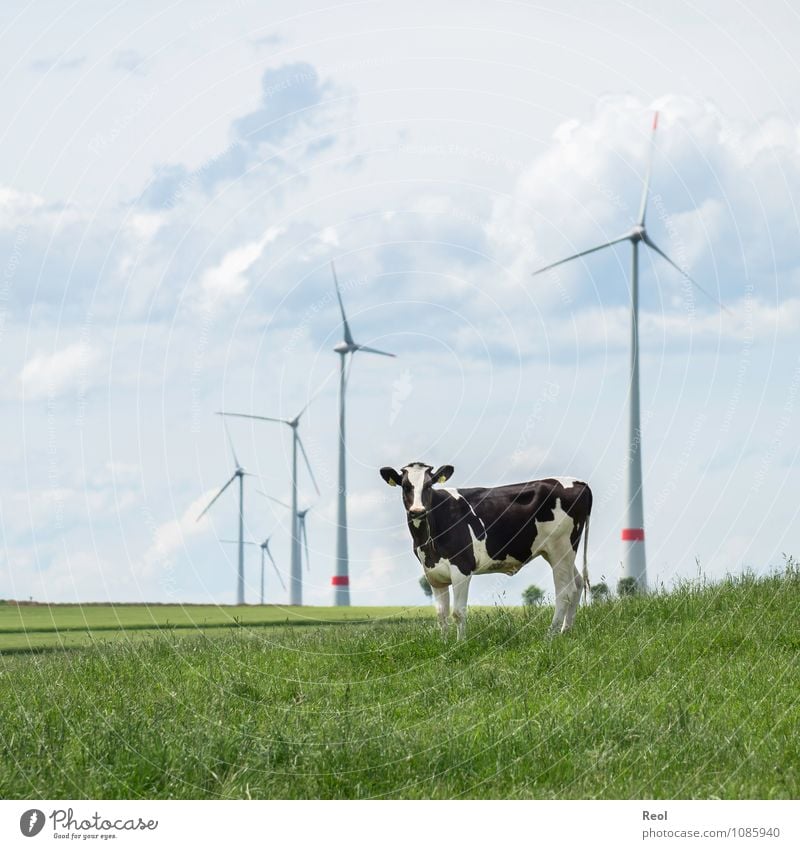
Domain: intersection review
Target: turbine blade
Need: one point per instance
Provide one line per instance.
(651, 244)
(236, 542)
(274, 564)
(272, 498)
(375, 351)
(251, 416)
(208, 506)
(583, 253)
(308, 404)
(230, 442)
(308, 463)
(348, 336)
(348, 369)
(648, 173)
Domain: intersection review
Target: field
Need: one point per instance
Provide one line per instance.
(39, 628)
(690, 694)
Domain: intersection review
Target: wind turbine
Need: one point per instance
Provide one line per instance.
(301, 522)
(296, 571)
(264, 546)
(634, 564)
(239, 473)
(341, 580)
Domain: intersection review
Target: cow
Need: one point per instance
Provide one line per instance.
(458, 533)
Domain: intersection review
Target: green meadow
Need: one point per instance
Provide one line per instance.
(28, 628)
(693, 693)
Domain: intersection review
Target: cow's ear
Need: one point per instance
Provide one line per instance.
(391, 476)
(442, 474)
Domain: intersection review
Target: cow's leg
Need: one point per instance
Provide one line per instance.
(561, 558)
(460, 583)
(442, 597)
(574, 599)
(560, 580)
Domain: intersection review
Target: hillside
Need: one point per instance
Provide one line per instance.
(691, 694)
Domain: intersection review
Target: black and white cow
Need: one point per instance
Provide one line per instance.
(458, 533)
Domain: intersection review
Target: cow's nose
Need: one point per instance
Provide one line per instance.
(416, 512)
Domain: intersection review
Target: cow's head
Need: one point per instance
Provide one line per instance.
(417, 480)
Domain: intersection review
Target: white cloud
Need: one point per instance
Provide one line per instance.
(724, 228)
(607, 329)
(743, 319)
(169, 537)
(228, 280)
(329, 237)
(15, 205)
(145, 225)
(51, 375)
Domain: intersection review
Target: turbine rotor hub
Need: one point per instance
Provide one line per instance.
(637, 233)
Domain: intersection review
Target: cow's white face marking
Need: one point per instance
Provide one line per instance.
(416, 477)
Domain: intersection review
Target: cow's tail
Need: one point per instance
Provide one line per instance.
(586, 584)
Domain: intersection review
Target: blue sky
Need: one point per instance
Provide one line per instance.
(176, 178)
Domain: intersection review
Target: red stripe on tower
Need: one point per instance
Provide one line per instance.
(340, 581)
(655, 121)
(633, 534)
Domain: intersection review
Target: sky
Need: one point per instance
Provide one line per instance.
(177, 177)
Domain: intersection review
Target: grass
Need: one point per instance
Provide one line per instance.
(30, 628)
(691, 694)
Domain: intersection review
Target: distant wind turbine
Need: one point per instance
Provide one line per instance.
(301, 522)
(634, 563)
(296, 579)
(341, 580)
(264, 546)
(239, 473)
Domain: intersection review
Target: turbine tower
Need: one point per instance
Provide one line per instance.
(266, 552)
(634, 564)
(296, 579)
(239, 473)
(341, 580)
